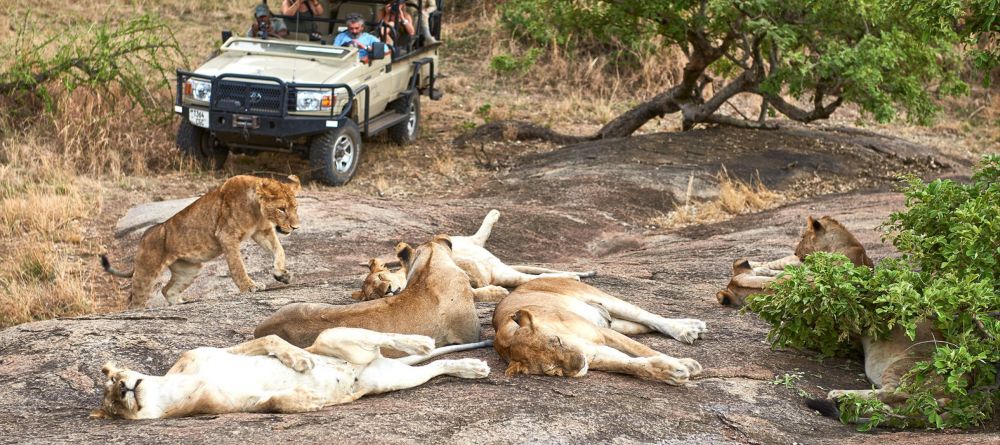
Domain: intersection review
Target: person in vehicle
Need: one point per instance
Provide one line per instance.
(393, 21)
(356, 37)
(265, 26)
(303, 10)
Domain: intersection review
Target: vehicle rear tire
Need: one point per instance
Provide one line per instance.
(197, 143)
(408, 131)
(334, 155)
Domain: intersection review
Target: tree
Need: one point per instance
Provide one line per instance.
(886, 56)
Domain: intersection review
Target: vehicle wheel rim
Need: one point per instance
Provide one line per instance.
(343, 154)
(411, 123)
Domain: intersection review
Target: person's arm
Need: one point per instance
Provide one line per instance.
(407, 22)
(316, 6)
(290, 7)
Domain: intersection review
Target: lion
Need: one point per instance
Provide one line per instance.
(821, 235)
(380, 281)
(437, 302)
(562, 327)
(489, 276)
(242, 207)
(886, 362)
(269, 375)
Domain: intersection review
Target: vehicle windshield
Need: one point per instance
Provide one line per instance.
(287, 48)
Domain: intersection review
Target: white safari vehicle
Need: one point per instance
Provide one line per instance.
(298, 95)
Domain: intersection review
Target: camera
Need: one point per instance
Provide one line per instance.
(394, 7)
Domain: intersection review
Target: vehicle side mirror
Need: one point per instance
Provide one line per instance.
(226, 35)
(378, 51)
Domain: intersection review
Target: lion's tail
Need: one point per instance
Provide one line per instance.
(106, 264)
(415, 359)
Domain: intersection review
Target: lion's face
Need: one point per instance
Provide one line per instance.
(535, 351)
(278, 204)
(123, 393)
(380, 282)
(821, 235)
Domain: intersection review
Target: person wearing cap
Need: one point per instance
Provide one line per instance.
(264, 26)
(356, 37)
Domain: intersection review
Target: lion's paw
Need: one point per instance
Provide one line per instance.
(491, 217)
(692, 365)
(283, 276)
(299, 361)
(254, 287)
(468, 368)
(686, 330)
(669, 370)
(414, 344)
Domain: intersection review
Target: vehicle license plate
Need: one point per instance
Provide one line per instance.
(198, 118)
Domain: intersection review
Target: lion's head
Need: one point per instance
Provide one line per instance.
(381, 282)
(124, 393)
(278, 204)
(533, 350)
(828, 235)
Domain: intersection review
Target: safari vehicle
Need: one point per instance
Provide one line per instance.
(294, 95)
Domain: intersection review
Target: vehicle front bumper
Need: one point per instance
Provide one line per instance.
(245, 126)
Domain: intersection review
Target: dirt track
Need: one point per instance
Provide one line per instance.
(581, 207)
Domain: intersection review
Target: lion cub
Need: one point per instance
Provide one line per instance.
(821, 235)
(242, 207)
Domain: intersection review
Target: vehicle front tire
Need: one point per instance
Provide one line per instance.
(408, 131)
(334, 155)
(197, 143)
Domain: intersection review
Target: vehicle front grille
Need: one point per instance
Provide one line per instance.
(250, 98)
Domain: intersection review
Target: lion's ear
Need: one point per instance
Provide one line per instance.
(443, 240)
(99, 414)
(404, 252)
(374, 264)
(294, 184)
(357, 295)
(523, 318)
(814, 224)
(107, 368)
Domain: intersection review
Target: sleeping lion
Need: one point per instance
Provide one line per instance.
(270, 375)
(488, 275)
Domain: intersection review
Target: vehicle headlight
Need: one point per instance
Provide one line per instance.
(197, 89)
(313, 101)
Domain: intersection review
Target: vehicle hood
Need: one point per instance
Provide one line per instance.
(289, 69)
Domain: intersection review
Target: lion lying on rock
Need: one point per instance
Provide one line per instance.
(437, 302)
(270, 375)
(488, 275)
(821, 235)
(561, 327)
(242, 207)
(886, 361)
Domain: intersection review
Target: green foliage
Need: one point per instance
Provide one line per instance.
(887, 56)
(949, 238)
(507, 64)
(132, 59)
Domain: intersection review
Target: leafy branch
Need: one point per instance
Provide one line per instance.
(100, 57)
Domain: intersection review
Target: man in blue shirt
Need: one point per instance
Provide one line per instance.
(355, 36)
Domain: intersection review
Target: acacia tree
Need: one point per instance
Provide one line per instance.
(886, 56)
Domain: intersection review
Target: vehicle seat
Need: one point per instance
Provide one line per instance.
(367, 10)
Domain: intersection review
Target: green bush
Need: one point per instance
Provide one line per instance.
(949, 240)
(506, 64)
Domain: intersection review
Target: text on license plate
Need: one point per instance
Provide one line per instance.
(198, 118)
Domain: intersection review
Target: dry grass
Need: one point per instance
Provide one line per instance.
(735, 197)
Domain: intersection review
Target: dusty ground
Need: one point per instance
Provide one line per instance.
(582, 207)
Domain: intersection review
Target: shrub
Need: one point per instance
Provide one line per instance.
(949, 238)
